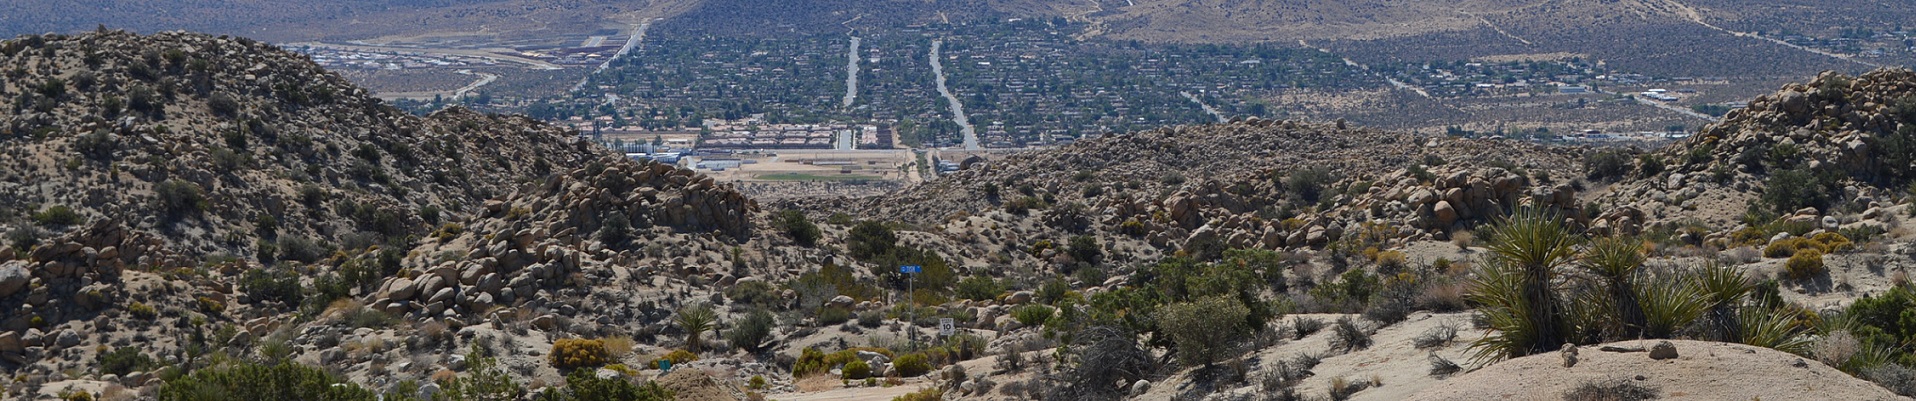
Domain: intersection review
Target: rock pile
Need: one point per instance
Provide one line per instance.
(543, 233)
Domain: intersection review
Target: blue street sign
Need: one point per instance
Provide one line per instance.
(912, 269)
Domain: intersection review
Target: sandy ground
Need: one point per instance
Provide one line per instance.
(1702, 371)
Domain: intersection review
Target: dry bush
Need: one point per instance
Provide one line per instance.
(1444, 297)
(1622, 390)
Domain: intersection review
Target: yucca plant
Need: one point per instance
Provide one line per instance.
(696, 320)
(1723, 289)
(1770, 327)
(1615, 262)
(1525, 250)
(1669, 304)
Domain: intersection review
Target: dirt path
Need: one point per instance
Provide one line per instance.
(852, 394)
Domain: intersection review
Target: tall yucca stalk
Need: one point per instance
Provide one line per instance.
(1525, 249)
(1616, 262)
(1723, 289)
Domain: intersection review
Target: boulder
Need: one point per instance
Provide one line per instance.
(1445, 213)
(1019, 298)
(1663, 350)
(14, 277)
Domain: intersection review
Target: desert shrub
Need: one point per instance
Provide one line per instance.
(575, 353)
(833, 315)
(1308, 184)
(180, 199)
(57, 216)
(1788, 190)
(584, 385)
(250, 381)
(1032, 315)
(1606, 165)
(928, 394)
(870, 239)
(912, 365)
(484, 380)
(142, 311)
(1348, 336)
(979, 288)
(676, 357)
(1084, 249)
(856, 370)
(223, 105)
(1621, 390)
(300, 249)
(1897, 378)
(795, 225)
(749, 333)
(1205, 331)
(1305, 327)
(1804, 265)
(1440, 366)
(615, 230)
(1649, 165)
(1436, 337)
(272, 284)
(1024, 205)
(125, 360)
(757, 293)
(810, 362)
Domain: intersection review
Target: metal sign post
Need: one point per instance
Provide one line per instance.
(911, 273)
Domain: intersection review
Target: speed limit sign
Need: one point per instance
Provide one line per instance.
(946, 326)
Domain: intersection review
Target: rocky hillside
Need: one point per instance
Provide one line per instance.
(1258, 183)
(229, 146)
(1835, 145)
(155, 181)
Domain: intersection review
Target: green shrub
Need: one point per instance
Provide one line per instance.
(125, 360)
(1308, 184)
(979, 288)
(1606, 165)
(1649, 165)
(179, 199)
(750, 333)
(912, 365)
(794, 224)
(249, 381)
(869, 239)
(857, 370)
(484, 380)
(928, 394)
(871, 319)
(833, 315)
(58, 216)
(142, 311)
(676, 357)
(1205, 331)
(1789, 190)
(1804, 265)
(1032, 315)
(575, 353)
(272, 284)
(757, 293)
(810, 362)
